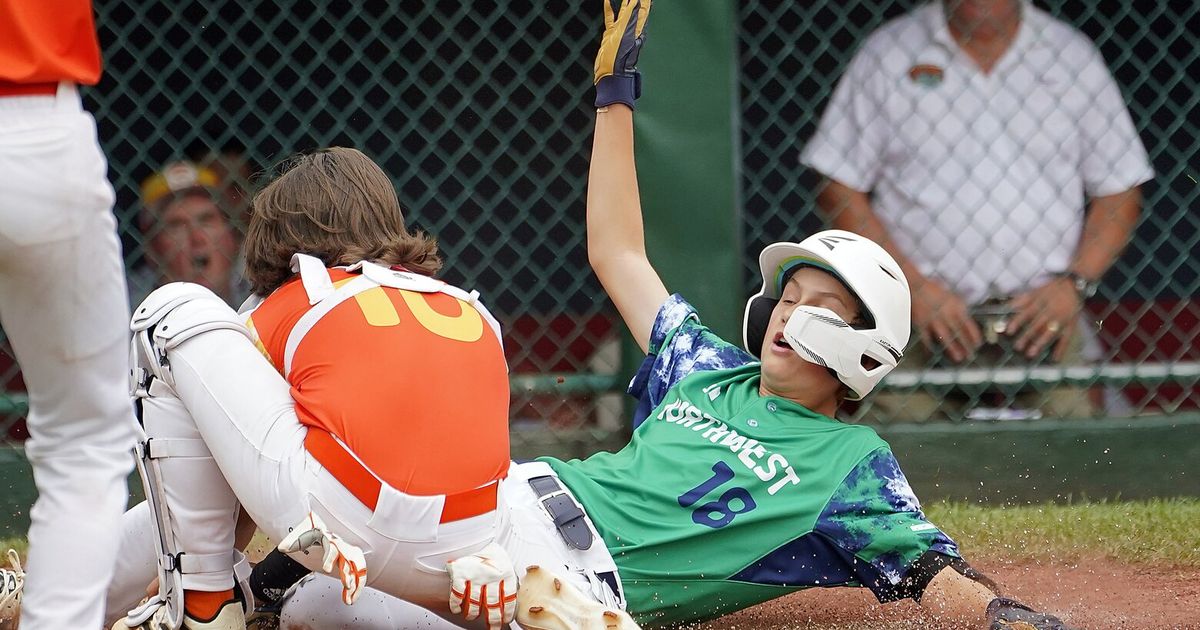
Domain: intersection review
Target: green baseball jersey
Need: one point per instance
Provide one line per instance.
(725, 498)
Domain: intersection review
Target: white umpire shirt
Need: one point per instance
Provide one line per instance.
(980, 178)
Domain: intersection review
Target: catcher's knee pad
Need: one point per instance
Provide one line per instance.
(169, 316)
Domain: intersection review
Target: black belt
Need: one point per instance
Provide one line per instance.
(564, 511)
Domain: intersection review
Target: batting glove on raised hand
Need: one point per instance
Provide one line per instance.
(349, 560)
(484, 582)
(1009, 614)
(617, 78)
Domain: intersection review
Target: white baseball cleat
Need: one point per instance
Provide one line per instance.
(12, 584)
(546, 602)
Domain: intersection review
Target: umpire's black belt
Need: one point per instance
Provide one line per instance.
(563, 510)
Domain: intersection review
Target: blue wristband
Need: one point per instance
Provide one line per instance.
(616, 89)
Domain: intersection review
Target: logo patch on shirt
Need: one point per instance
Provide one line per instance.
(926, 75)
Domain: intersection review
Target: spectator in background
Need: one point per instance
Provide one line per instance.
(965, 137)
(236, 173)
(190, 217)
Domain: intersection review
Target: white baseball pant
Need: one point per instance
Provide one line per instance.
(529, 537)
(65, 309)
(527, 533)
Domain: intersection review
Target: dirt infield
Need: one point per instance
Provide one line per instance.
(1092, 594)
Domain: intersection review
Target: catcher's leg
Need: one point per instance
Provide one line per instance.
(193, 508)
(137, 563)
(547, 602)
(307, 605)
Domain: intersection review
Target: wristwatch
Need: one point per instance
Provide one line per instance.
(1084, 287)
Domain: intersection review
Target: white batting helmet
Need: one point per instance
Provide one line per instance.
(820, 336)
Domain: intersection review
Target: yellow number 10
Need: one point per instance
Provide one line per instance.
(380, 311)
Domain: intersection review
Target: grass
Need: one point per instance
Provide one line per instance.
(1158, 531)
(11, 543)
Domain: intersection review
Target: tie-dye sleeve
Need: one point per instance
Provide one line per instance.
(679, 345)
(875, 517)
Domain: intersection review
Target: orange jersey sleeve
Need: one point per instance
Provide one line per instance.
(415, 384)
(48, 41)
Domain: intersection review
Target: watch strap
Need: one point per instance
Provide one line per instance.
(1083, 286)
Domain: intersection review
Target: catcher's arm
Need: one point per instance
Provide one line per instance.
(616, 241)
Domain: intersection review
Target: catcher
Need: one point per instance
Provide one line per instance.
(738, 485)
(352, 316)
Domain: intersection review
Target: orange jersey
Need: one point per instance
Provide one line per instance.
(414, 384)
(46, 41)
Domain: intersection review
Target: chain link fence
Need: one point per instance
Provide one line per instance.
(480, 112)
(476, 109)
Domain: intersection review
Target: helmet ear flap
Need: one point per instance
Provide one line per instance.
(758, 318)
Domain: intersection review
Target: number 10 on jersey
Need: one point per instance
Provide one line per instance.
(719, 512)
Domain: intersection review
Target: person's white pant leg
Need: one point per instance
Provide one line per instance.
(137, 564)
(64, 307)
(244, 411)
(316, 605)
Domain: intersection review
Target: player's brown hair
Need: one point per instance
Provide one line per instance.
(337, 205)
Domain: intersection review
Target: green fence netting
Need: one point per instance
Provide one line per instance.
(480, 111)
(477, 110)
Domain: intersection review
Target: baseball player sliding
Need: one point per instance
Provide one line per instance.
(738, 485)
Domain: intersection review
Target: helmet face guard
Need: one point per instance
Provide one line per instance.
(860, 357)
(819, 336)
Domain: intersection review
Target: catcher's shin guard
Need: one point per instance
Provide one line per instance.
(547, 602)
(173, 461)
